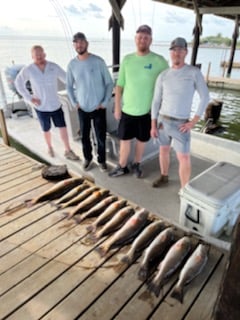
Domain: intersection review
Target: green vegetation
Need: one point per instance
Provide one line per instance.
(218, 40)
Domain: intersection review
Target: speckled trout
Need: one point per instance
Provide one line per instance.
(143, 240)
(170, 263)
(193, 266)
(156, 249)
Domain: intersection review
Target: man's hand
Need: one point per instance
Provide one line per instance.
(36, 101)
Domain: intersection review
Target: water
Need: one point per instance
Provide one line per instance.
(60, 50)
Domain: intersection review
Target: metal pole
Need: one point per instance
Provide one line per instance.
(3, 104)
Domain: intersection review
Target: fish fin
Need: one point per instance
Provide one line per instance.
(142, 273)
(177, 294)
(154, 287)
(101, 251)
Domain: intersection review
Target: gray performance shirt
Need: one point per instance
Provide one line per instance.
(174, 90)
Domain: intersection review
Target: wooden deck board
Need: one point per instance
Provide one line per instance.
(49, 268)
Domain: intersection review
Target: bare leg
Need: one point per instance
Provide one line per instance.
(124, 151)
(164, 159)
(48, 138)
(139, 149)
(184, 168)
(64, 137)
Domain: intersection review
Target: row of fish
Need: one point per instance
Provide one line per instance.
(155, 239)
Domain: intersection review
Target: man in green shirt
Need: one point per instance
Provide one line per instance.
(133, 98)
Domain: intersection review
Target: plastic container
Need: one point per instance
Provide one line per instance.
(210, 202)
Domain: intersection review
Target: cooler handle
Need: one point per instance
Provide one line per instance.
(188, 216)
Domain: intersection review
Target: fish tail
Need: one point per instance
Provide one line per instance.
(90, 228)
(143, 273)
(66, 215)
(101, 250)
(29, 203)
(154, 287)
(77, 219)
(177, 294)
(126, 259)
(93, 237)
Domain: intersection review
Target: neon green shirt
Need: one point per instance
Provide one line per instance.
(137, 76)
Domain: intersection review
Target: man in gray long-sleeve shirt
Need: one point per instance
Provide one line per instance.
(89, 87)
(171, 109)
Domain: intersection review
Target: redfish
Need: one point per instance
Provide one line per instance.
(127, 232)
(107, 214)
(72, 193)
(115, 222)
(80, 197)
(95, 210)
(88, 202)
(57, 190)
(156, 249)
(170, 263)
(193, 266)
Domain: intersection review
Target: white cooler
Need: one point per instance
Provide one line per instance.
(210, 202)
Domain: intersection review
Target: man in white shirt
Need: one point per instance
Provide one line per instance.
(43, 76)
(171, 110)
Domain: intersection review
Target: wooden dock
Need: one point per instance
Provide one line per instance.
(49, 269)
(223, 83)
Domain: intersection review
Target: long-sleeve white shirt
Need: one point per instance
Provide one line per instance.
(44, 85)
(174, 90)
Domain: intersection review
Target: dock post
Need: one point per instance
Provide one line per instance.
(3, 103)
(227, 305)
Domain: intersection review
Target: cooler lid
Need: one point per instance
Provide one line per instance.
(216, 185)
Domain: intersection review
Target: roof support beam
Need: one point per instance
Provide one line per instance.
(220, 10)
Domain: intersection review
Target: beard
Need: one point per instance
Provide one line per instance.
(82, 51)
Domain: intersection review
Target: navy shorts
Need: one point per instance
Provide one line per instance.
(45, 118)
(134, 127)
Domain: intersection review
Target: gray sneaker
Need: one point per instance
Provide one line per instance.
(70, 155)
(118, 171)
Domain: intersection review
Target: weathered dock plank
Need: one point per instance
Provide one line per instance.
(50, 268)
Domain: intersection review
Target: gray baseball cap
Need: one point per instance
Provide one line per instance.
(144, 29)
(178, 42)
(79, 36)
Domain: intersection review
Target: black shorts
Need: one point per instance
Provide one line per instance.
(56, 116)
(134, 127)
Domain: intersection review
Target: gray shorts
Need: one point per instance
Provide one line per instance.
(169, 134)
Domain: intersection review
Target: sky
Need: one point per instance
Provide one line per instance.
(62, 18)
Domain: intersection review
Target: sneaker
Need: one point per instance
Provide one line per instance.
(86, 164)
(136, 170)
(71, 155)
(51, 152)
(103, 166)
(163, 180)
(118, 171)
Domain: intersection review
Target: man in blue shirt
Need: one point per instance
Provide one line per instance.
(89, 87)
